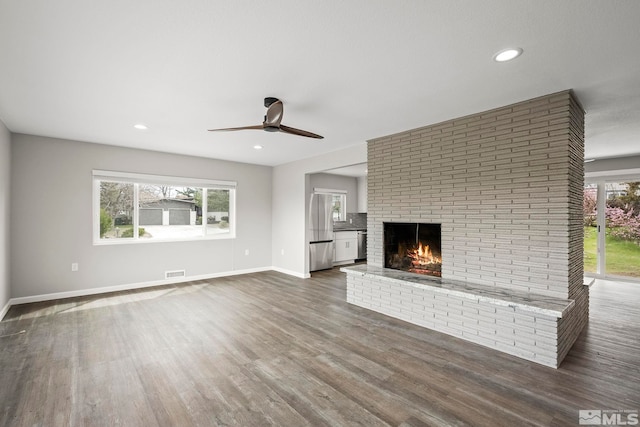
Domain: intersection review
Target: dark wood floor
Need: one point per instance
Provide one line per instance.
(268, 349)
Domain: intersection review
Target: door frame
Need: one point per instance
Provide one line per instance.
(601, 179)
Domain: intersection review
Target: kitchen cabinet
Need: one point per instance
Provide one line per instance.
(346, 243)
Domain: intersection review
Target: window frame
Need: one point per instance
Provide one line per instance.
(137, 180)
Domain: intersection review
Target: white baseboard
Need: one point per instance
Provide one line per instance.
(291, 273)
(5, 309)
(127, 287)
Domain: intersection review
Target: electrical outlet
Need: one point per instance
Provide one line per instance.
(74, 266)
(281, 251)
(246, 251)
(350, 220)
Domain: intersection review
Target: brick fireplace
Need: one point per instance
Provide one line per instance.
(505, 186)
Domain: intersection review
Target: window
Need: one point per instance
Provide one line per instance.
(622, 229)
(339, 207)
(146, 208)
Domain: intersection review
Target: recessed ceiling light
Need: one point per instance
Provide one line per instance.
(258, 147)
(507, 54)
(140, 126)
(589, 160)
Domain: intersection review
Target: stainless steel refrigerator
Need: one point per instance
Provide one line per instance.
(320, 232)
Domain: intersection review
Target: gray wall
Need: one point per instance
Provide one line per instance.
(51, 213)
(290, 189)
(5, 171)
(362, 194)
(337, 182)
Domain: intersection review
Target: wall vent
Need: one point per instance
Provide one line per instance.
(174, 273)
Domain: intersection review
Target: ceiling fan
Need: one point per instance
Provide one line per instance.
(272, 121)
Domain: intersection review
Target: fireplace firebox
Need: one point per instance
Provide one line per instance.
(413, 247)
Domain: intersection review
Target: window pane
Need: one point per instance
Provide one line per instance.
(589, 205)
(169, 212)
(622, 247)
(339, 202)
(116, 210)
(218, 208)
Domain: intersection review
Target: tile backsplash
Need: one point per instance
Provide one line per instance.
(354, 220)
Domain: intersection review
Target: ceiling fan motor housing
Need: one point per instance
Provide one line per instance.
(269, 100)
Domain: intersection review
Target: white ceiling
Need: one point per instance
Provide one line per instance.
(348, 70)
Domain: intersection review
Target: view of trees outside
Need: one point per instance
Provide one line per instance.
(116, 210)
(589, 208)
(164, 211)
(217, 211)
(622, 229)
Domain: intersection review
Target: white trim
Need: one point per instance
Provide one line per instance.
(142, 241)
(161, 179)
(135, 212)
(291, 273)
(141, 285)
(5, 310)
(601, 223)
(612, 175)
(131, 286)
(328, 191)
(95, 209)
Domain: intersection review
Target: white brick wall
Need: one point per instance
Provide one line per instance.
(506, 185)
(524, 334)
(499, 182)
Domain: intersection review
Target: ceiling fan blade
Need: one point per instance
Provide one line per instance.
(256, 127)
(274, 114)
(294, 131)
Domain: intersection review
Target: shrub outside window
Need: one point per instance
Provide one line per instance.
(145, 208)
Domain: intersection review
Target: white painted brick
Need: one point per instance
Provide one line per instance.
(503, 183)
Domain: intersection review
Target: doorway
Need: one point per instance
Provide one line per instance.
(611, 212)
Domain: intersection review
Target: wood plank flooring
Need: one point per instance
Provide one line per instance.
(268, 349)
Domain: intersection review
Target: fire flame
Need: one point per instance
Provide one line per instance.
(423, 256)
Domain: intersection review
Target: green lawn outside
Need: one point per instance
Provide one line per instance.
(590, 249)
(623, 257)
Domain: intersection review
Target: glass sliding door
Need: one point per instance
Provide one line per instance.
(622, 229)
(611, 220)
(590, 223)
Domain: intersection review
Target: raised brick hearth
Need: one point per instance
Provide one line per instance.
(506, 186)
